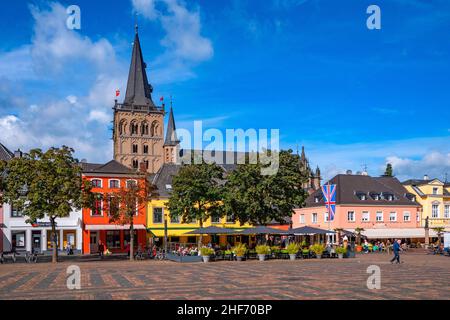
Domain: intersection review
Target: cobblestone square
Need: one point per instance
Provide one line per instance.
(421, 276)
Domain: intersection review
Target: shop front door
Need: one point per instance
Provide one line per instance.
(94, 242)
(36, 241)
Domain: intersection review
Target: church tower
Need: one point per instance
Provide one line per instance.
(171, 144)
(138, 132)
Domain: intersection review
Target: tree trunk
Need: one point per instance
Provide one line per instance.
(201, 236)
(131, 241)
(54, 240)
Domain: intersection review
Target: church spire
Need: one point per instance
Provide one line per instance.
(171, 135)
(138, 89)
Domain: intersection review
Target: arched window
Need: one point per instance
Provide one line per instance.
(135, 164)
(144, 128)
(134, 148)
(155, 129)
(122, 127)
(145, 149)
(134, 127)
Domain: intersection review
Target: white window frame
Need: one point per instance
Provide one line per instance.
(363, 218)
(446, 211)
(435, 213)
(302, 219)
(102, 211)
(435, 191)
(406, 214)
(395, 216)
(101, 182)
(109, 183)
(378, 215)
(353, 216)
(325, 216)
(314, 218)
(126, 182)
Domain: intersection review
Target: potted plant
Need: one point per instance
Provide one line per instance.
(293, 249)
(262, 251)
(206, 253)
(340, 252)
(240, 250)
(318, 250)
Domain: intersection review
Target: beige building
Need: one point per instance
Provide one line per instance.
(138, 132)
(434, 196)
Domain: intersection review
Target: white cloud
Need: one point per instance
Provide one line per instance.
(99, 116)
(411, 158)
(185, 46)
(435, 165)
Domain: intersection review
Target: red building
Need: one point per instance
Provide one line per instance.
(106, 179)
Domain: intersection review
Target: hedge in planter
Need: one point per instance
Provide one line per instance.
(240, 250)
(318, 249)
(262, 251)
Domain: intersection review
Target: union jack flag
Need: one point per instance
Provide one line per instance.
(329, 195)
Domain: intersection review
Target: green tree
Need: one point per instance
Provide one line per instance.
(125, 202)
(196, 193)
(258, 199)
(389, 171)
(45, 183)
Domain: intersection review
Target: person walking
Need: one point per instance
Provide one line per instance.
(101, 249)
(396, 248)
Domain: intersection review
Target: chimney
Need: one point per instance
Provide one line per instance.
(425, 177)
(143, 167)
(18, 154)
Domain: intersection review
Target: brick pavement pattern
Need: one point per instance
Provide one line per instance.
(421, 276)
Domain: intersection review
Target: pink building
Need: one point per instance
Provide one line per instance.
(380, 205)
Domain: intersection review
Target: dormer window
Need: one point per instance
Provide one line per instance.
(168, 187)
(317, 199)
(410, 197)
(375, 196)
(388, 196)
(361, 195)
(435, 191)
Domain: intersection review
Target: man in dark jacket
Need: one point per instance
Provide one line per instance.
(396, 248)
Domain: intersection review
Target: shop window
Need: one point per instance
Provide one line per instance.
(126, 238)
(113, 239)
(18, 239)
(192, 239)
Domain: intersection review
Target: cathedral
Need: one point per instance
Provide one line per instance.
(138, 133)
(138, 126)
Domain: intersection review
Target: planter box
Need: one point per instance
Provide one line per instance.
(206, 258)
(292, 256)
(261, 257)
(239, 258)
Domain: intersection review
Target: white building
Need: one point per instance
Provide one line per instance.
(24, 236)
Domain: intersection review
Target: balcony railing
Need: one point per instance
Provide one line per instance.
(135, 108)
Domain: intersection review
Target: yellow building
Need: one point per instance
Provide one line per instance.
(176, 231)
(434, 196)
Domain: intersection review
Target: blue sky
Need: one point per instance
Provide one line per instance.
(310, 68)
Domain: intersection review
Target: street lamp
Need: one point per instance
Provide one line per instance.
(165, 232)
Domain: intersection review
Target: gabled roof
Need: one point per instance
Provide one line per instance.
(5, 154)
(171, 135)
(419, 182)
(348, 187)
(138, 89)
(111, 167)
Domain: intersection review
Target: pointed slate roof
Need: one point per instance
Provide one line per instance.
(138, 89)
(171, 135)
(5, 154)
